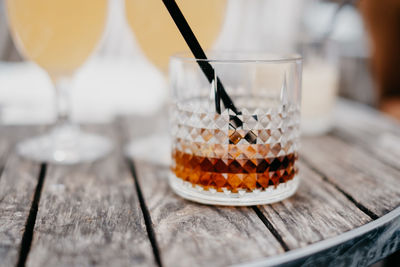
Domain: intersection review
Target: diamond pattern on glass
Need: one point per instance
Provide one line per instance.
(212, 154)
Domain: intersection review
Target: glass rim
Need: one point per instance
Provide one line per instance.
(239, 57)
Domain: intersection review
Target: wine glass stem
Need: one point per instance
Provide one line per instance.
(63, 100)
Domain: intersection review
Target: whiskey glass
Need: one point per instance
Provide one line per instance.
(215, 159)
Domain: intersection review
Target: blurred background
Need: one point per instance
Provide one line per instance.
(351, 49)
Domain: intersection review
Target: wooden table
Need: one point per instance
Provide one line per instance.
(119, 212)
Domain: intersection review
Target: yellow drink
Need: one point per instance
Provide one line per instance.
(58, 35)
(157, 34)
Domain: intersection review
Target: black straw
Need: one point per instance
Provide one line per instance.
(198, 53)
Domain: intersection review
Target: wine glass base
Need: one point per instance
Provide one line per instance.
(154, 149)
(65, 146)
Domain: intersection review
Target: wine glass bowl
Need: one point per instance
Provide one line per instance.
(157, 34)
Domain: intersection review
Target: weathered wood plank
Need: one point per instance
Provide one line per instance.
(89, 214)
(362, 246)
(355, 114)
(368, 181)
(371, 130)
(316, 212)
(17, 187)
(4, 146)
(11, 134)
(190, 234)
(18, 181)
(7, 141)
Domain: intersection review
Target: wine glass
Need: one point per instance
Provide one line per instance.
(59, 36)
(159, 38)
(156, 33)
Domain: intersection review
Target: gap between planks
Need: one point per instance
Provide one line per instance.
(257, 211)
(151, 232)
(146, 214)
(26, 241)
(89, 214)
(360, 206)
(30, 223)
(271, 228)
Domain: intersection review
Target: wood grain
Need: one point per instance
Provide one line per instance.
(190, 234)
(8, 136)
(374, 132)
(360, 175)
(18, 181)
(11, 134)
(17, 187)
(89, 214)
(316, 212)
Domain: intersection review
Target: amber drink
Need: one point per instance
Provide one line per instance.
(246, 157)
